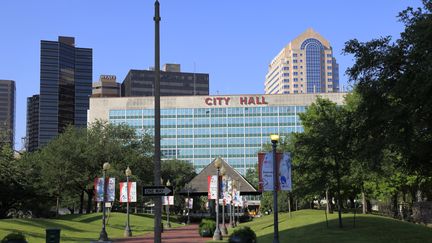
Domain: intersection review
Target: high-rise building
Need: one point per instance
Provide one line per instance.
(173, 82)
(106, 87)
(7, 112)
(32, 134)
(305, 65)
(65, 87)
(198, 129)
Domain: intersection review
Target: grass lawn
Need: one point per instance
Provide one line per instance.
(310, 226)
(77, 228)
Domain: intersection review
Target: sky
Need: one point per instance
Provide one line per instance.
(232, 40)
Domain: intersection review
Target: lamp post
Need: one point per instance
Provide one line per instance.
(188, 209)
(103, 234)
(232, 219)
(275, 139)
(238, 203)
(217, 234)
(128, 231)
(224, 228)
(168, 207)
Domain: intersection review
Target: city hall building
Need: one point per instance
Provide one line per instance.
(199, 128)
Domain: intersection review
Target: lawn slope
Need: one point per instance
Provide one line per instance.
(77, 228)
(310, 226)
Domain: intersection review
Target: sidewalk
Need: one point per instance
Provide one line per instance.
(184, 234)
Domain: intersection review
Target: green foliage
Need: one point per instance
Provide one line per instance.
(15, 236)
(243, 234)
(207, 227)
(393, 80)
(178, 172)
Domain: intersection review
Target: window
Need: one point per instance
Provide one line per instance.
(287, 86)
(286, 80)
(329, 55)
(294, 54)
(295, 85)
(285, 74)
(294, 61)
(295, 73)
(329, 74)
(295, 79)
(285, 68)
(329, 67)
(295, 67)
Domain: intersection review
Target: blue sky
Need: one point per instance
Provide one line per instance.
(233, 41)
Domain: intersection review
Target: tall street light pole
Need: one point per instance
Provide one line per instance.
(275, 139)
(103, 234)
(168, 207)
(224, 228)
(217, 234)
(128, 231)
(157, 153)
(188, 208)
(238, 203)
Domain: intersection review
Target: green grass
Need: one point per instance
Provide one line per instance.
(77, 228)
(310, 226)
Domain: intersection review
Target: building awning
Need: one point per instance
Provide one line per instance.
(198, 185)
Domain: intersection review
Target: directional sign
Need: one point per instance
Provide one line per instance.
(158, 191)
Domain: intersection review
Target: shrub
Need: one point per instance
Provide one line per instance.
(243, 234)
(15, 237)
(207, 227)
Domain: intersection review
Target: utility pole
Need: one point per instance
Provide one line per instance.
(157, 153)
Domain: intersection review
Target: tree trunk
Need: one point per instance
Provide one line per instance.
(339, 193)
(89, 193)
(81, 208)
(327, 202)
(395, 205)
(363, 200)
(58, 206)
(289, 205)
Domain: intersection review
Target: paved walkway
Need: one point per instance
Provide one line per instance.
(184, 234)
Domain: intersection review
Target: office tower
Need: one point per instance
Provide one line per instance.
(305, 65)
(32, 134)
(200, 128)
(7, 112)
(173, 82)
(106, 87)
(65, 87)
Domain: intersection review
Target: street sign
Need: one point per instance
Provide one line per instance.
(158, 191)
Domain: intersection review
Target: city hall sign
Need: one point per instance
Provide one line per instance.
(242, 100)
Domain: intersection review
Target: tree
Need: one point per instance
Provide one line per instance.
(393, 80)
(179, 172)
(323, 149)
(71, 162)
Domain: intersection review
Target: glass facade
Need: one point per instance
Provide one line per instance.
(314, 63)
(199, 135)
(7, 111)
(65, 87)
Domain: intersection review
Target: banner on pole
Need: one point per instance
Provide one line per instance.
(128, 192)
(285, 183)
(189, 203)
(212, 187)
(99, 189)
(167, 200)
(283, 171)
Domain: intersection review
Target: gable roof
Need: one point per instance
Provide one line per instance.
(198, 185)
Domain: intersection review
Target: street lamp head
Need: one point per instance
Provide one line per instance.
(106, 166)
(168, 183)
(218, 162)
(274, 138)
(223, 171)
(128, 171)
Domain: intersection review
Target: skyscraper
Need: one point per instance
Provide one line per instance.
(173, 82)
(65, 87)
(32, 134)
(305, 65)
(7, 112)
